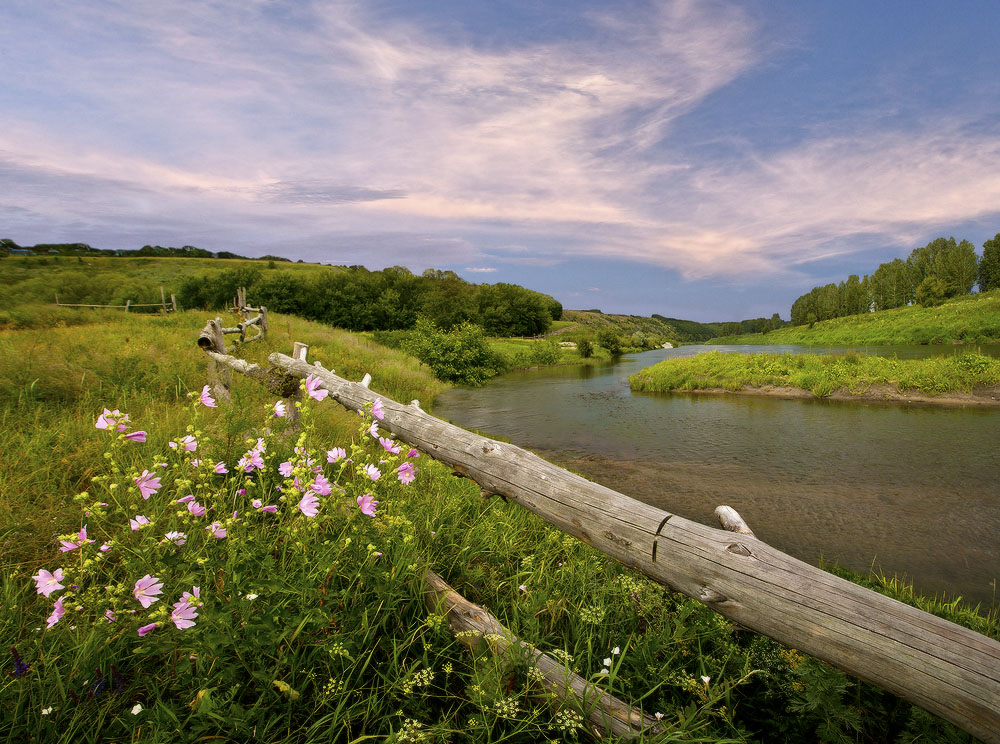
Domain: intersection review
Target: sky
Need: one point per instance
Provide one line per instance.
(699, 159)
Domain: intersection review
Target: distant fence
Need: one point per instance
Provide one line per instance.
(165, 307)
(944, 668)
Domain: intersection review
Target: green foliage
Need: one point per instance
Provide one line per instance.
(510, 310)
(931, 292)
(610, 341)
(461, 355)
(989, 265)
(585, 347)
(821, 374)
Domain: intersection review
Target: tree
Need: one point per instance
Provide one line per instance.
(989, 265)
(610, 341)
(512, 310)
(931, 291)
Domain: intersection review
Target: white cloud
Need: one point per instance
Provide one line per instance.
(480, 269)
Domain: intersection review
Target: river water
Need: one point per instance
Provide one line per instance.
(907, 490)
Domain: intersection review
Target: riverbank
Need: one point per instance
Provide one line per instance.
(967, 379)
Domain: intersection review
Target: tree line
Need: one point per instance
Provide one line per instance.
(357, 299)
(930, 275)
(8, 246)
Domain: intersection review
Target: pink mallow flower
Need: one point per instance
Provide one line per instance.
(185, 499)
(112, 420)
(279, 409)
(309, 504)
(145, 590)
(389, 446)
(413, 453)
(148, 485)
(188, 443)
(186, 609)
(48, 582)
(335, 454)
(367, 504)
(321, 485)
(377, 410)
(177, 538)
(206, 397)
(285, 469)
(136, 436)
(406, 473)
(251, 460)
(109, 616)
(217, 530)
(313, 388)
(259, 506)
(196, 509)
(57, 612)
(81, 540)
(137, 523)
(147, 629)
(220, 467)
(372, 472)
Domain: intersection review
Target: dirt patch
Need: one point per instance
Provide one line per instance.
(988, 397)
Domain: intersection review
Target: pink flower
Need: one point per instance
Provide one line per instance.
(413, 453)
(377, 410)
(389, 446)
(177, 538)
(217, 530)
(220, 467)
(48, 582)
(112, 420)
(137, 523)
(285, 469)
(337, 453)
(206, 397)
(148, 485)
(196, 509)
(185, 499)
(406, 473)
(109, 616)
(105, 547)
(81, 540)
(261, 444)
(185, 611)
(279, 409)
(309, 504)
(256, 503)
(145, 589)
(251, 460)
(373, 429)
(269, 509)
(57, 612)
(321, 485)
(372, 472)
(195, 463)
(147, 629)
(367, 504)
(313, 389)
(188, 443)
(136, 436)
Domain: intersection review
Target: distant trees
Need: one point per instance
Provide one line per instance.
(931, 274)
(989, 265)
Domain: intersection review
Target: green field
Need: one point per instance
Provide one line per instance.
(821, 374)
(969, 319)
(314, 629)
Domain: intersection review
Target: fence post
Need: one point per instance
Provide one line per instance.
(163, 301)
(173, 301)
(127, 303)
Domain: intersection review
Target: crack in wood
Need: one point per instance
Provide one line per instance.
(658, 531)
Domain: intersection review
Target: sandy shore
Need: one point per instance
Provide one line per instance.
(985, 397)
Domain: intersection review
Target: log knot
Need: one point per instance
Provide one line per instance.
(710, 596)
(617, 540)
(739, 549)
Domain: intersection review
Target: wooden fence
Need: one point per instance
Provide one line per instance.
(165, 307)
(944, 668)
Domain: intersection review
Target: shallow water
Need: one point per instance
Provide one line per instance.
(908, 490)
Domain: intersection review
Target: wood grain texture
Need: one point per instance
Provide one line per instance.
(946, 669)
(472, 624)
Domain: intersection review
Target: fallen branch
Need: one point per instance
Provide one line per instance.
(471, 624)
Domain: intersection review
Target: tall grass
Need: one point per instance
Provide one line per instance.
(318, 631)
(821, 374)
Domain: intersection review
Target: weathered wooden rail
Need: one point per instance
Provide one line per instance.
(165, 307)
(946, 669)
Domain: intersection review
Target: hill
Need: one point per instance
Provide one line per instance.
(969, 319)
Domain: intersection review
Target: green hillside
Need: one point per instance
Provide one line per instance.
(968, 319)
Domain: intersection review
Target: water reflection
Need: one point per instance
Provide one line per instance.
(909, 489)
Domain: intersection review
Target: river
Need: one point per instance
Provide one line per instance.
(907, 490)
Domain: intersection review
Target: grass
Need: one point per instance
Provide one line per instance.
(970, 319)
(306, 634)
(821, 374)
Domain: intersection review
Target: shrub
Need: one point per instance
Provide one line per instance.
(462, 355)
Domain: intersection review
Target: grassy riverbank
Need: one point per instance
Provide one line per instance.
(315, 629)
(970, 319)
(853, 375)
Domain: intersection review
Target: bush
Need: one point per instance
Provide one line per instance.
(610, 341)
(462, 355)
(586, 348)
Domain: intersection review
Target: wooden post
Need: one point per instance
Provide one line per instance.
(127, 303)
(263, 318)
(163, 300)
(173, 302)
(57, 299)
(471, 623)
(946, 669)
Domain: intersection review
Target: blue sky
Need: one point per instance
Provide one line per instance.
(707, 160)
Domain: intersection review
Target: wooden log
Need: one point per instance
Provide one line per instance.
(949, 670)
(263, 318)
(471, 623)
(163, 300)
(211, 337)
(173, 302)
(731, 520)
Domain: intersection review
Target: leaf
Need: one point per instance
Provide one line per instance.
(286, 689)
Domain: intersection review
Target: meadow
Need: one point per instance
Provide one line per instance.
(283, 600)
(968, 319)
(821, 374)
